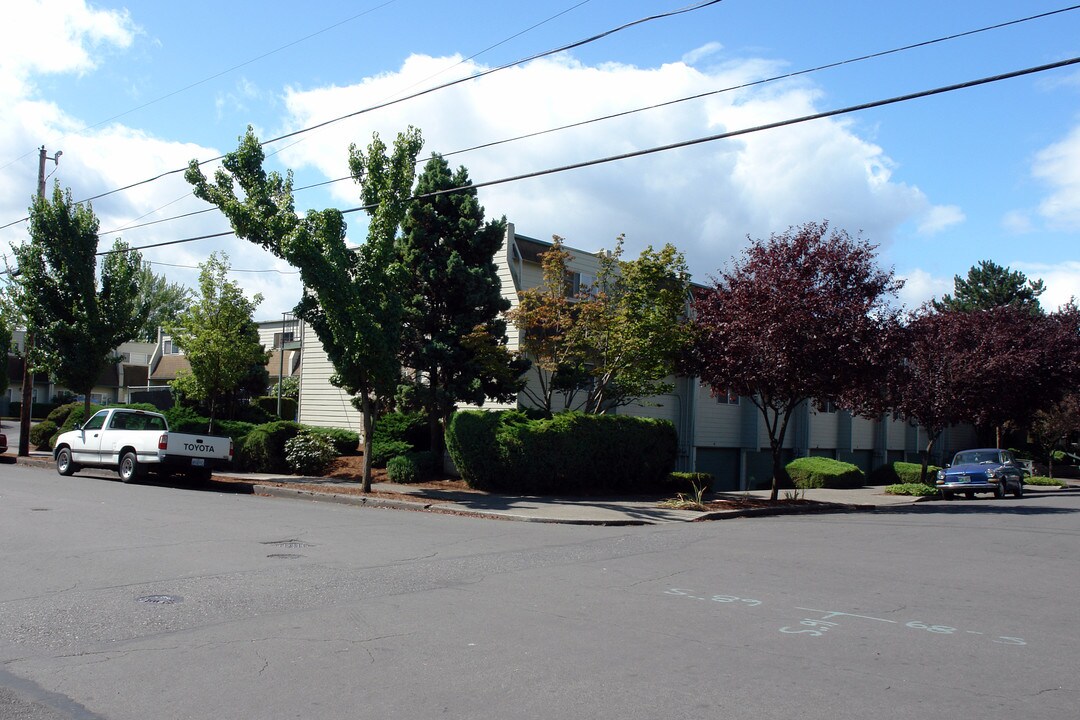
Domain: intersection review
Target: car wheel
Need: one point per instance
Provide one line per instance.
(999, 490)
(129, 468)
(946, 495)
(1019, 491)
(64, 466)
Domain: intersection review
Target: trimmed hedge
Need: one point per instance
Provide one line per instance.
(41, 435)
(916, 489)
(268, 404)
(345, 442)
(818, 472)
(263, 448)
(570, 453)
(901, 473)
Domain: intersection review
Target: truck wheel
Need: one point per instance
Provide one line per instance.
(64, 466)
(129, 468)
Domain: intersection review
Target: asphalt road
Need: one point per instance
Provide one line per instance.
(128, 602)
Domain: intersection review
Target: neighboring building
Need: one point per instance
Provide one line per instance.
(722, 435)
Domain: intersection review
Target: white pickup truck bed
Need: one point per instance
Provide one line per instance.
(133, 442)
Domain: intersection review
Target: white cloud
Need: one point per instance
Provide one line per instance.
(698, 54)
(1018, 222)
(940, 217)
(1062, 281)
(56, 36)
(1059, 167)
(705, 198)
(921, 287)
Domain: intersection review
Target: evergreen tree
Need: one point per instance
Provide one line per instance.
(454, 335)
(989, 285)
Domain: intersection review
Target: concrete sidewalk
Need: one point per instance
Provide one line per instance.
(566, 510)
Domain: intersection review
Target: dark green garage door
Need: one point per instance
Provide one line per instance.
(722, 464)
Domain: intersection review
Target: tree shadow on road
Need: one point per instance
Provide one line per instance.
(1016, 507)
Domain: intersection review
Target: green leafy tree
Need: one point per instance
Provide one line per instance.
(633, 326)
(219, 337)
(165, 301)
(352, 301)
(989, 285)
(77, 317)
(454, 335)
(8, 321)
(546, 317)
(613, 342)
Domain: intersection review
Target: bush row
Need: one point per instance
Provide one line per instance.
(570, 453)
(819, 472)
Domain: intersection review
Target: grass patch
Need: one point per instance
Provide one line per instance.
(914, 489)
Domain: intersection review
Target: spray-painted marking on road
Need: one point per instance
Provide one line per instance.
(819, 626)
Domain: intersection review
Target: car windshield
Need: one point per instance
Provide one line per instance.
(976, 457)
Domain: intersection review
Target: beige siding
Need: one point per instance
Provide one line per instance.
(661, 407)
(896, 438)
(716, 424)
(863, 431)
(823, 430)
(321, 403)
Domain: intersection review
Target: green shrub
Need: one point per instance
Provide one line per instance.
(1045, 481)
(60, 414)
(263, 448)
(268, 404)
(818, 472)
(569, 453)
(901, 473)
(309, 453)
(411, 428)
(911, 488)
(470, 440)
(383, 451)
(184, 419)
(345, 442)
(425, 462)
(1060, 457)
(252, 414)
(41, 435)
(403, 469)
(39, 410)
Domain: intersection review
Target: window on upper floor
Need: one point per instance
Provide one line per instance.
(726, 397)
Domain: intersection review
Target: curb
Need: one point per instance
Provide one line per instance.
(419, 506)
(819, 509)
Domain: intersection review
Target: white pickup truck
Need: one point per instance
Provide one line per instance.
(133, 442)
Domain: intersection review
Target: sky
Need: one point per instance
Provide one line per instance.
(129, 91)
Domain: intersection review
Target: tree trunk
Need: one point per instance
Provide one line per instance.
(367, 409)
(926, 457)
(997, 436)
(435, 426)
(86, 407)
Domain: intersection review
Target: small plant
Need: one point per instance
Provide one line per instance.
(693, 500)
(914, 489)
(403, 469)
(308, 453)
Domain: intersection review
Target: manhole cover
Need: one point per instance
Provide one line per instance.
(160, 599)
(284, 556)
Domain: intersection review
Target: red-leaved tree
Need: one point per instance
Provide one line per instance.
(803, 315)
(993, 368)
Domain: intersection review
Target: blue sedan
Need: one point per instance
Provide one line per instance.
(983, 470)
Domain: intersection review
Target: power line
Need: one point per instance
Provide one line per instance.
(235, 270)
(690, 8)
(216, 75)
(696, 141)
(668, 103)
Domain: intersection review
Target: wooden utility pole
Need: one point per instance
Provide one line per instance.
(28, 336)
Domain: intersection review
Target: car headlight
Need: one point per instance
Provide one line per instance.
(992, 474)
(940, 474)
